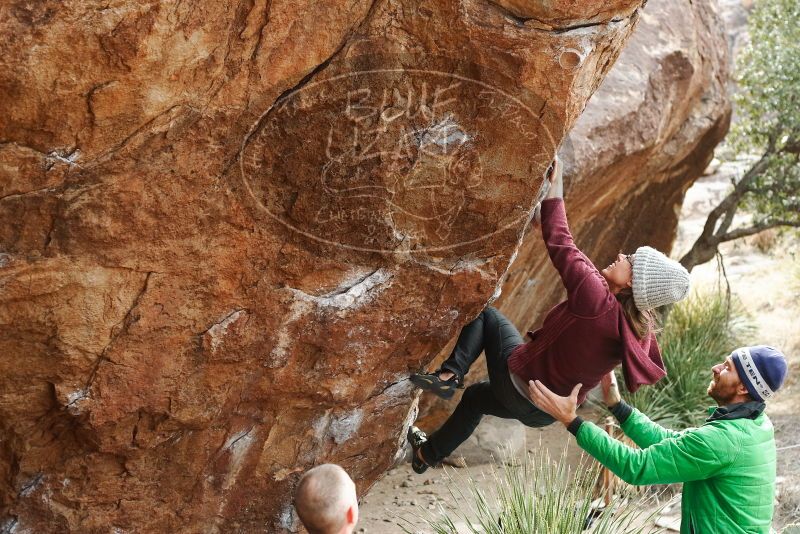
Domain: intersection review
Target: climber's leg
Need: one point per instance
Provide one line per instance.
(489, 331)
(477, 401)
(500, 338)
(497, 397)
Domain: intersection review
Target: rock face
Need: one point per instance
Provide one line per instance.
(647, 133)
(229, 230)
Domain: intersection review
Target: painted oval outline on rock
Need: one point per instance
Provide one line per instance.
(453, 133)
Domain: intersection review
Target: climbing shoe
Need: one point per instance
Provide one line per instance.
(417, 438)
(431, 382)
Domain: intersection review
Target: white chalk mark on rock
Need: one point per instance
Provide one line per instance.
(340, 427)
(217, 332)
(411, 416)
(9, 526)
(68, 159)
(287, 518)
(444, 135)
(74, 399)
(279, 354)
(461, 266)
(238, 444)
(352, 293)
(320, 426)
(30, 486)
(345, 426)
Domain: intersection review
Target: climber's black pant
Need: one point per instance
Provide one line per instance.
(493, 334)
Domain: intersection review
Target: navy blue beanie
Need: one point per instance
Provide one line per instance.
(762, 370)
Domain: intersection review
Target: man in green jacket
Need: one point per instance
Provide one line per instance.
(727, 465)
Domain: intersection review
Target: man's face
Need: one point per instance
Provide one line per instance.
(725, 383)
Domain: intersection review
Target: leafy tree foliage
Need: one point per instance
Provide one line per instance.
(768, 124)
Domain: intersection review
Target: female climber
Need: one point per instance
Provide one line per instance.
(606, 320)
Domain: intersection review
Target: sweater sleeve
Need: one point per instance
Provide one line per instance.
(695, 454)
(621, 411)
(641, 361)
(587, 291)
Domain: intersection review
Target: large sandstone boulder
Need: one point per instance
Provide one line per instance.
(230, 230)
(646, 134)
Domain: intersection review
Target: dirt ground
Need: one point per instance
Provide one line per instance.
(404, 494)
(764, 274)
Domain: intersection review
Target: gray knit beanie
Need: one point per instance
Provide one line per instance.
(657, 280)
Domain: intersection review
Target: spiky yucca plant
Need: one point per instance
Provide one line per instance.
(537, 494)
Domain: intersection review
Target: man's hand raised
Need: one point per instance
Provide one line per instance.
(563, 409)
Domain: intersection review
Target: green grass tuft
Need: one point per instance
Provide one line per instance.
(537, 494)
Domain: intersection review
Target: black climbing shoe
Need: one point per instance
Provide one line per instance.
(417, 438)
(594, 513)
(431, 382)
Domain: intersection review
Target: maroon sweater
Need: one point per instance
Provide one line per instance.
(587, 335)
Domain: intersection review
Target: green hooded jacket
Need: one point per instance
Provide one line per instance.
(727, 467)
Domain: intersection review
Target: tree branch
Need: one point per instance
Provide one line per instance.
(705, 246)
(791, 146)
(730, 204)
(744, 232)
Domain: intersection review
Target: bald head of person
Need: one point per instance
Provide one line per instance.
(326, 500)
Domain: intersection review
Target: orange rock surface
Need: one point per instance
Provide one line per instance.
(646, 134)
(230, 230)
